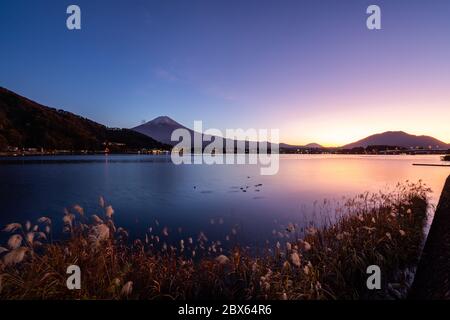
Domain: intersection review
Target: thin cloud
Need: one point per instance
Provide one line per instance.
(165, 75)
(220, 93)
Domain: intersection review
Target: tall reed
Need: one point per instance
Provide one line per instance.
(326, 262)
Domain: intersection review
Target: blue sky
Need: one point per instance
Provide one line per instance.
(310, 68)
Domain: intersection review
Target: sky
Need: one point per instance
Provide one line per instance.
(311, 69)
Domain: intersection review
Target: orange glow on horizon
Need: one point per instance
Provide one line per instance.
(339, 141)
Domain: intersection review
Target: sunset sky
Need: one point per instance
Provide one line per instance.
(309, 68)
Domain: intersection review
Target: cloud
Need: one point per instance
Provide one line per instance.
(165, 75)
(220, 93)
(195, 84)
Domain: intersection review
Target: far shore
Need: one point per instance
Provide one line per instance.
(23, 153)
(77, 153)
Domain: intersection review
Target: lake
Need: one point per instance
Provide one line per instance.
(149, 191)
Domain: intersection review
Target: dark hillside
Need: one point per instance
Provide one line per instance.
(27, 124)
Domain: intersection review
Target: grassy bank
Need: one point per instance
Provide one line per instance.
(385, 229)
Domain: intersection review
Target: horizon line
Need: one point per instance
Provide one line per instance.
(324, 145)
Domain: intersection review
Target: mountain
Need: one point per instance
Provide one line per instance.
(28, 124)
(160, 129)
(399, 139)
(314, 146)
(307, 146)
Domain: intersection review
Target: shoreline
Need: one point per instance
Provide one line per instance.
(16, 154)
(79, 153)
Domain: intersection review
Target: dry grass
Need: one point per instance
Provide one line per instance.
(329, 262)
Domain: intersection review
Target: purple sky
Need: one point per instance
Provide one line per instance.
(310, 68)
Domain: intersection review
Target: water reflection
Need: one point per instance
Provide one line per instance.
(144, 188)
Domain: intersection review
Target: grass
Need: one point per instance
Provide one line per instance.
(327, 262)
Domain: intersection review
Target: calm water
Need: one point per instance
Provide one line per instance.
(196, 198)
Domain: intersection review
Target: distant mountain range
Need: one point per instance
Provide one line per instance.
(306, 146)
(161, 129)
(27, 124)
(399, 139)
